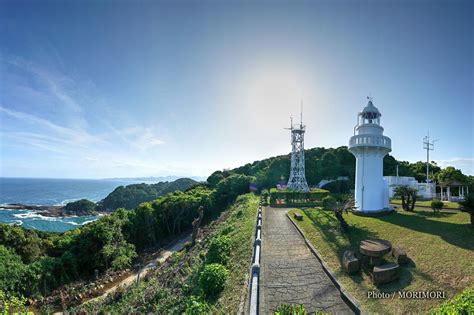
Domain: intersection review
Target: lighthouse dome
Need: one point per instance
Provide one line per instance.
(370, 111)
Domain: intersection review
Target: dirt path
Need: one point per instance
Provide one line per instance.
(164, 254)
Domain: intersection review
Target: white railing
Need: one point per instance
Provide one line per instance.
(255, 270)
(370, 141)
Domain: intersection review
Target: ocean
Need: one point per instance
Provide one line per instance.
(48, 192)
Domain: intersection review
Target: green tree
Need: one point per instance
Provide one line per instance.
(232, 186)
(408, 196)
(215, 178)
(25, 243)
(330, 165)
(451, 174)
(467, 205)
(12, 271)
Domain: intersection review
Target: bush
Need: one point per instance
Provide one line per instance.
(296, 197)
(328, 202)
(461, 304)
(291, 309)
(212, 279)
(436, 205)
(12, 305)
(219, 250)
(195, 306)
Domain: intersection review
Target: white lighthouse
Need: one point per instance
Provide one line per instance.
(369, 146)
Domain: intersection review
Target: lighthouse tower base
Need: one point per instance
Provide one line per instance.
(379, 211)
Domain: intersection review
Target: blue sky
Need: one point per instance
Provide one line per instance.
(141, 88)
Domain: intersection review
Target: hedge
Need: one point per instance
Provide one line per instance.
(278, 197)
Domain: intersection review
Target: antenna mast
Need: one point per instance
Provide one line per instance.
(301, 115)
(428, 146)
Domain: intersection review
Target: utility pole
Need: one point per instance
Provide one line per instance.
(428, 146)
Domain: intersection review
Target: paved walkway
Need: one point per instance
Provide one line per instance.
(290, 274)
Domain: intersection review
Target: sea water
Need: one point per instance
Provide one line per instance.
(48, 192)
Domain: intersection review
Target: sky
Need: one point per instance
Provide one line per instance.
(97, 89)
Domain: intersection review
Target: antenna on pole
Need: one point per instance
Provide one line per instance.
(428, 146)
(301, 115)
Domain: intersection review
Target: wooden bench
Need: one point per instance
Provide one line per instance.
(400, 254)
(298, 216)
(385, 273)
(350, 263)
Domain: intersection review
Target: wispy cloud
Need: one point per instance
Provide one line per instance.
(142, 138)
(465, 164)
(72, 135)
(54, 119)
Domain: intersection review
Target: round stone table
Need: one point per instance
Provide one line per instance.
(375, 249)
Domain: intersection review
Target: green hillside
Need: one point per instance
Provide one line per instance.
(131, 196)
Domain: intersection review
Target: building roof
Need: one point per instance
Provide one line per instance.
(452, 183)
(370, 111)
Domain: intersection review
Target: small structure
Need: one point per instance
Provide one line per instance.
(297, 180)
(446, 190)
(369, 146)
(424, 190)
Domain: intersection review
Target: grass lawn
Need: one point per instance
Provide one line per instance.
(427, 203)
(440, 246)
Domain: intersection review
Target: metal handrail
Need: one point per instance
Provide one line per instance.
(255, 269)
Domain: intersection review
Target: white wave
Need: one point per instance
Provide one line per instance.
(17, 222)
(88, 221)
(35, 216)
(72, 222)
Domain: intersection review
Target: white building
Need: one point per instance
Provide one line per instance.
(369, 146)
(424, 190)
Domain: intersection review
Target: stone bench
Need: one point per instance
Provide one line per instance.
(298, 216)
(400, 254)
(350, 262)
(385, 273)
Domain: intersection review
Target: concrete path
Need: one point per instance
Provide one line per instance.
(290, 273)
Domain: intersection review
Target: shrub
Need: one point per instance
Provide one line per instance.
(195, 306)
(328, 202)
(296, 197)
(436, 205)
(212, 279)
(12, 305)
(291, 309)
(219, 250)
(462, 303)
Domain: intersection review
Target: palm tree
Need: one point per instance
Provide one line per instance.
(408, 195)
(342, 206)
(468, 206)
